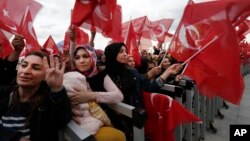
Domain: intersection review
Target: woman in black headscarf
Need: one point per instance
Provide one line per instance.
(129, 80)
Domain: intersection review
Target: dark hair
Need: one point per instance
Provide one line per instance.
(40, 54)
(112, 65)
(37, 98)
(112, 50)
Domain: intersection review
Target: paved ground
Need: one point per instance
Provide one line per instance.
(234, 115)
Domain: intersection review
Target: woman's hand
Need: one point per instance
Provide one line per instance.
(154, 72)
(54, 74)
(173, 69)
(72, 34)
(80, 97)
(178, 78)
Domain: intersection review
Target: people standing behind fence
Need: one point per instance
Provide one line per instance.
(101, 61)
(130, 82)
(37, 106)
(131, 61)
(85, 95)
(8, 65)
(146, 66)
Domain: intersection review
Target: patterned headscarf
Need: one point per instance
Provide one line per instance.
(91, 52)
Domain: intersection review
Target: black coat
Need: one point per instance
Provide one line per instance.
(52, 114)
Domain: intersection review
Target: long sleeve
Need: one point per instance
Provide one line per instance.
(112, 94)
(8, 71)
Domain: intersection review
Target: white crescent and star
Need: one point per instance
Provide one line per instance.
(163, 30)
(50, 50)
(99, 13)
(5, 13)
(183, 37)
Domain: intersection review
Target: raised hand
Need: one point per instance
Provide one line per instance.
(173, 69)
(54, 73)
(72, 34)
(18, 43)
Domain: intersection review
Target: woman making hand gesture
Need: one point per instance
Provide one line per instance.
(37, 106)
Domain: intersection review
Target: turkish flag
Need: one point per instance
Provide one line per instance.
(81, 11)
(50, 46)
(236, 10)
(158, 29)
(99, 16)
(6, 48)
(132, 46)
(138, 24)
(106, 19)
(13, 11)
(27, 31)
(81, 38)
(216, 70)
(164, 115)
(213, 44)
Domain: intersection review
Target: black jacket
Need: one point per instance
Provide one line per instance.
(52, 114)
(8, 71)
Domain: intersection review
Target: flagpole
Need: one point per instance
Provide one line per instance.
(196, 53)
(126, 38)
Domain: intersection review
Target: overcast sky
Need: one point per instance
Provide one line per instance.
(54, 18)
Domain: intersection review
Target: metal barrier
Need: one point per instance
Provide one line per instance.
(191, 105)
(74, 132)
(179, 92)
(201, 106)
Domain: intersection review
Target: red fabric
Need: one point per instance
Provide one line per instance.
(164, 115)
(138, 24)
(81, 38)
(149, 30)
(13, 11)
(216, 70)
(102, 16)
(242, 28)
(111, 25)
(158, 30)
(248, 24)
(81, 11)
(236, 10)
(26, 29)
(197, 13)
(50, 46)
(132, 46)
(6, 46)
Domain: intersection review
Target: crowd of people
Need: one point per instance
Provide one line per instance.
(42, 93)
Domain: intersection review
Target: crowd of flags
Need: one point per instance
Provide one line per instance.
(210, 38)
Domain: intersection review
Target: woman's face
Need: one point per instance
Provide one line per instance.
(83, 60)
(165, 63)
(31, 71)
(122, 55)
(131, 62)
(103, 58)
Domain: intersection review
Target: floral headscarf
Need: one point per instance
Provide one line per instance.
(91, 52)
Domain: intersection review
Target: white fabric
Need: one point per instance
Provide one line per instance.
(76, 81)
